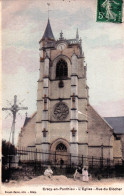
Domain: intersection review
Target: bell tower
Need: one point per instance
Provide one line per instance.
(62, 97)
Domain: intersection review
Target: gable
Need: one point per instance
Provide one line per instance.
(27, 135)
(95, 121)
(28, 119)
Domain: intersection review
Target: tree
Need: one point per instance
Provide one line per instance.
(7, 150)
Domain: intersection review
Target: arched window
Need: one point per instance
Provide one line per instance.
(61, 147)
(61, 69)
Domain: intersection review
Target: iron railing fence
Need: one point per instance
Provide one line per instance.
(24, 155)
(26, 163)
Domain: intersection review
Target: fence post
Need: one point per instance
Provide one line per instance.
(82, 161)
(36, 155)
(70, 159)
(92, 161)
(35, 159)
(108, 163)
(55, 157)
(101, 162)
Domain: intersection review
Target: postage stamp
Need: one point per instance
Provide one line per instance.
(109, 11)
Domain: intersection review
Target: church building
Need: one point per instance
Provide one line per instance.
(65, 122)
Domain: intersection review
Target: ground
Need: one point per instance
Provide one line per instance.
(62, 183)
(63, 180)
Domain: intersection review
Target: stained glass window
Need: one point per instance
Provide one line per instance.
(61, 69)
(61, 147)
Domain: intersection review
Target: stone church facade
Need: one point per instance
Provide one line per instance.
(65, 122)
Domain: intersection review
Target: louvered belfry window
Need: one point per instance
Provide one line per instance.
(61, 147)
(61, 69)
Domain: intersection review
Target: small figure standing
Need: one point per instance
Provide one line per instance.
(78, 172)
(61, 163)
(85, 176)
(48, 172)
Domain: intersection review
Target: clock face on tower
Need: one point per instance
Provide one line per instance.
(61, 111)
(61, 46)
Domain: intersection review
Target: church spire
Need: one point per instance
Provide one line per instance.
(48, 34)
(77, 35)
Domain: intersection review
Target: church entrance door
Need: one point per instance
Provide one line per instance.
(61, 154)
(60, 150)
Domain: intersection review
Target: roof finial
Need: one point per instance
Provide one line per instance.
(80, 41)
(61, 35)
(81, 53)
(77, 35)
(48, 9)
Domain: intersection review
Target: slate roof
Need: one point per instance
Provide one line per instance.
(48, 34)
(117, 123)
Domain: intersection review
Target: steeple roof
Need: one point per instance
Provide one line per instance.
(48, 34)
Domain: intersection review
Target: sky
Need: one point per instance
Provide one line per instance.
(23, 24)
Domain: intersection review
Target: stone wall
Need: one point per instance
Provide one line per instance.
(27, 135)
(99, 135)
(117, 150)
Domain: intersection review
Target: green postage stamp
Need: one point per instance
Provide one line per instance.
(109, 11)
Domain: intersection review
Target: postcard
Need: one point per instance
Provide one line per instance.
(62, 70)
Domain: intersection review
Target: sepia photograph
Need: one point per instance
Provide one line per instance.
(62, 70)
